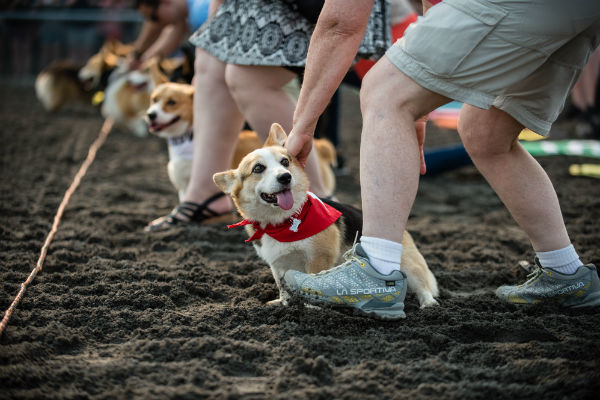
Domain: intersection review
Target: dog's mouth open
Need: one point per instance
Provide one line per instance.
(284, 199)
(156, 127)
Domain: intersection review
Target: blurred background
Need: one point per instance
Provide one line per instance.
(33, 33)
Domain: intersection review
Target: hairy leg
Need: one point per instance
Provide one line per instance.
(217, 123)
(389, 153)
(259, 94)
(490, 138)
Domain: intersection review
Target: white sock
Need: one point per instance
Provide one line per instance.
(383, 254)
(565, 261)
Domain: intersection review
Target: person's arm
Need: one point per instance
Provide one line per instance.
(162, 36)
(333, 47)
(150, 32)
(168, 41)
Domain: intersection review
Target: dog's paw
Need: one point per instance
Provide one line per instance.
(277, 302)
(427, 300)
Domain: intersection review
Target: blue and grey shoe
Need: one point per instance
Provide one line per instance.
(545, 285)
(354, 285)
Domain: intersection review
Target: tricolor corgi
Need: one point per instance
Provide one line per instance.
(127, 98)
(58, 85)
(292, 228)
(95, 74)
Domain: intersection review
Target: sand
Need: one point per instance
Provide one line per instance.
(119, 313)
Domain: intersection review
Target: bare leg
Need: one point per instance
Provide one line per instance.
(389, 152)
(217, 123)
(258, 92)
(490, 138)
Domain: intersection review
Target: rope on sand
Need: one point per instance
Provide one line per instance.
(104, 131)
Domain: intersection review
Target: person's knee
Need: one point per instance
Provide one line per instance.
(487, 133)
(377, 94)
(239, 86)
(202, 62)
(385, 88)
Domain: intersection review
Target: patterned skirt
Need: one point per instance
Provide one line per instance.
(272, 33)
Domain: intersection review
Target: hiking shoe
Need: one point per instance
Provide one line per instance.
(545, 285)
(354, 285)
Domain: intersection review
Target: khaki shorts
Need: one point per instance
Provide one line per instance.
(521, 57)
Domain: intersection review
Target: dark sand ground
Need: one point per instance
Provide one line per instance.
(118, 313)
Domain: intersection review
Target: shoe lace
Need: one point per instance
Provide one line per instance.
(533, 276)
(349, 257)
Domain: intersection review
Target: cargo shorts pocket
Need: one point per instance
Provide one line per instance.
(449, 33)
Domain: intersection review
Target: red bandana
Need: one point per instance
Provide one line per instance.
(312, 218)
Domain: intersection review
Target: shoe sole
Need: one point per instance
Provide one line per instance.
(385, 314)
(591, 300)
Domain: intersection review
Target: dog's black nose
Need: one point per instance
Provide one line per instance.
(284, 178)
(151, 116)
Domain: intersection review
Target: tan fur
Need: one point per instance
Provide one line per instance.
(132, 101)
(327, 159)
(247, 141)
(176, 99)
(319, 252)
(104, 60)
(57, 85)
(327, 250)
(128, 96)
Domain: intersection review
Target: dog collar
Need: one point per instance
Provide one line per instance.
(313, 217)
(186, 137)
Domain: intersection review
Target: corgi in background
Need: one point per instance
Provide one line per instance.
(127, 98)
(58, 85)
(327, 156)
(96, 74)
(171, 116)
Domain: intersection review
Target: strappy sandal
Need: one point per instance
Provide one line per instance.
(194, 212)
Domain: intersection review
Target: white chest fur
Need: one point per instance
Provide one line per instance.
(182, 147)
(272, 250)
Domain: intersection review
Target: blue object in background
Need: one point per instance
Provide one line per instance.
(446, 158)
(197, 13)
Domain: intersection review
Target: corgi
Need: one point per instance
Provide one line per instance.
(327, 156)
(291, 228)
(96, 73)
(170, 116)
(128, 97)
(58, 85)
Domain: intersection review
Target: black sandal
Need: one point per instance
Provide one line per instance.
(194, 212)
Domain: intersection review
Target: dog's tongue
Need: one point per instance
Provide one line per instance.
(285, 199)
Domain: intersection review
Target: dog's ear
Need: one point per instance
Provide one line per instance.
(111, 60)
(189, 90)
(277, 136)
(224, 180)
(156, 74)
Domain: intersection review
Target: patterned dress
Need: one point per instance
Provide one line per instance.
(273, 33)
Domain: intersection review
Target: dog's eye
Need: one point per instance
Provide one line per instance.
(258, 168)
(170, 102)
(154, 100)
(285, 162)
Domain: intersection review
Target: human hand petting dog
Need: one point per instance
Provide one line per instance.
(299, 144)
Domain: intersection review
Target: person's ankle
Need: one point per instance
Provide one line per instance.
(218, 205)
